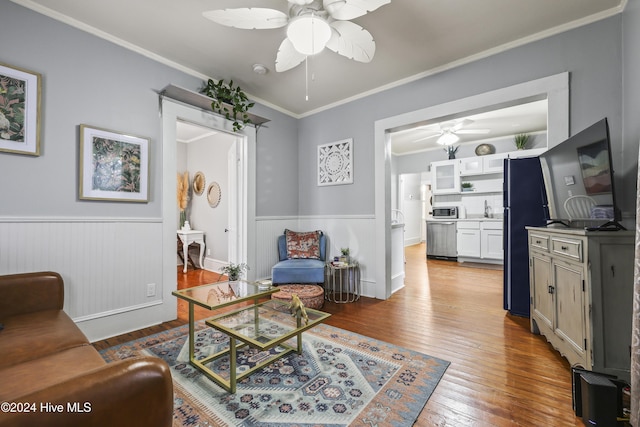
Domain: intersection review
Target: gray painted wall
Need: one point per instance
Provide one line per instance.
(630, 100)
(88, 80)
(592, 54)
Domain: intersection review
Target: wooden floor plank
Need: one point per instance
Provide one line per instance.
(500, 374)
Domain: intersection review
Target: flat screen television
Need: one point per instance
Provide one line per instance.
(578, 178)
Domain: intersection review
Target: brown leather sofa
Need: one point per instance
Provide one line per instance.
(50, 375)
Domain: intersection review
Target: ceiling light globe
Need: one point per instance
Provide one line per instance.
(309, 34)
(448, 138)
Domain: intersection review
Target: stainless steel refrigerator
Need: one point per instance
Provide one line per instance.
(524, 205)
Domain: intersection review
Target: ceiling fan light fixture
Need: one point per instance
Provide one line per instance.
(448, 138)
(309, 34)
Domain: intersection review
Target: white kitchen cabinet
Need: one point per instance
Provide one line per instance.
(480, 241)
(491, 240)
(493, 163)
(471, 166)
(581, 286)
(445, 177)
(482, 165)
(468, 238)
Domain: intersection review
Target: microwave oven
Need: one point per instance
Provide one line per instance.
(445, 212)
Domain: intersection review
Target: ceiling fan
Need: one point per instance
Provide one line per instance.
(311, 25)
(448, 132)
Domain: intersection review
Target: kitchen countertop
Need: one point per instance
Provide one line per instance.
(480, 218)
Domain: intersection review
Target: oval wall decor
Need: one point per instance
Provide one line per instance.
(199, 182)
(214, 194)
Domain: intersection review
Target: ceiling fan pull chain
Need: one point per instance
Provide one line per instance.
(306, 78)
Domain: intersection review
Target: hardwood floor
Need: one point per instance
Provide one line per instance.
(500, 373)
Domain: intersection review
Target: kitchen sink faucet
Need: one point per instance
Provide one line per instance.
(487, 210)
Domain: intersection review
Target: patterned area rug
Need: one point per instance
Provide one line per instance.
(341, 379)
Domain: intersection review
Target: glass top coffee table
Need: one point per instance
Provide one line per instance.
(262, 326)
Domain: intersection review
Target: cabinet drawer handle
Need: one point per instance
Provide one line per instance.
(551, 289)
(538, 242)
(564, 248)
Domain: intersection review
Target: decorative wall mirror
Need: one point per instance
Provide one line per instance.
(199, 182)
(214, 194)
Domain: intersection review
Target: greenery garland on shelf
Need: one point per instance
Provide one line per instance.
(229, 101)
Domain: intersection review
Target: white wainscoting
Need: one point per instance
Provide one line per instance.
(106, 265)
(357, 232)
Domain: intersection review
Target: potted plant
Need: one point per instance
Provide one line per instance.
(451, 151)
(345, 255)
(234, 271)
(521, 140)
(467, 186)
(229, 101)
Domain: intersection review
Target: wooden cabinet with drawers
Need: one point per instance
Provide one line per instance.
(581, 286)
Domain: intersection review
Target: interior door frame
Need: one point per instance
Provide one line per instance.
(171, 112)
(554, 88)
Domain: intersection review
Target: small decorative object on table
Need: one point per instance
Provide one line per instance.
(264, 284)
(467, 186)
(296, 307)
(234, 271)
(345, 255)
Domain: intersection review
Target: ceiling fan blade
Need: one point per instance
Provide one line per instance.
(472, 131)
(351, 40)
(288, 57)
(349, 9)
(428, 137)
(248, 18)
(460, 124)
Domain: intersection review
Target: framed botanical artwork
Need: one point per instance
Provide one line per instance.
(113, 166)
(19, 110)
(335, 163)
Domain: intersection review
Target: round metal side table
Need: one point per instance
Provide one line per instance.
(342, 283)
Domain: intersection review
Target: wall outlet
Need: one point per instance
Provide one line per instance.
(151, 290)
(208, 252)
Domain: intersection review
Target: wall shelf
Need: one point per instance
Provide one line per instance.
(201, 101)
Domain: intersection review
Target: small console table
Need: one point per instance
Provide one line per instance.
(187, 237)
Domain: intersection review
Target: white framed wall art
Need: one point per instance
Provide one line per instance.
(335, 163)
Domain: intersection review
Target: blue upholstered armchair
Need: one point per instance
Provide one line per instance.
(298, 270)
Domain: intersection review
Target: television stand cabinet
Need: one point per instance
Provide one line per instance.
(581, 295)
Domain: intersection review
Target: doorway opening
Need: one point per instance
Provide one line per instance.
(555, 89)
(242, 154)
(211, 208)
